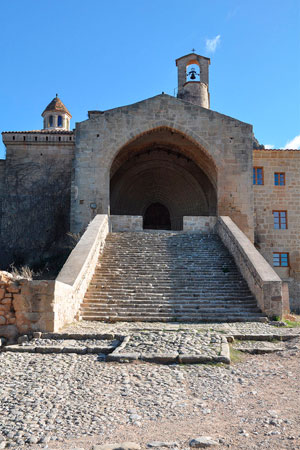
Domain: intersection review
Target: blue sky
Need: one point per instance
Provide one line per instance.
(99, 55)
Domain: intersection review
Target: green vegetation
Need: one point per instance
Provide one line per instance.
(236, 356)
(291, 323)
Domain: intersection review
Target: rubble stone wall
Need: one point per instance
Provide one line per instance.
(8, 288)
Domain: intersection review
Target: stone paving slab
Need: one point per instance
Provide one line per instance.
(52, 345)
(157, 346)
(158, 342)
(167, 347)
(258, 347)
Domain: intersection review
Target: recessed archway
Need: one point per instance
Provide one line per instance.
(163, 167)
(157, 217)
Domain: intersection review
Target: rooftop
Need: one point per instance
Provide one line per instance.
(56, 105)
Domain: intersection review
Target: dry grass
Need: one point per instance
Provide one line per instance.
(74, 238)
(22, 272)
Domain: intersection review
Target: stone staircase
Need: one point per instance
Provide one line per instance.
(168, 276)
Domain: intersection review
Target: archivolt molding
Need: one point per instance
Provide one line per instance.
(189, 134)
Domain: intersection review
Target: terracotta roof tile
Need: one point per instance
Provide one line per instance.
(39, 132)
(56, 105)
(276, 149)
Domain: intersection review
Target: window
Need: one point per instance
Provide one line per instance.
(50, 121)
(280, 259)
(258, 175)
(280, 220)
(279, 179)
(193, 71)
(59, 121)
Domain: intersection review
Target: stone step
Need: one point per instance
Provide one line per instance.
(128, 302)
(168, 276)
(183, 319)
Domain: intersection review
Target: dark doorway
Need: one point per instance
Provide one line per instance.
(157, 217)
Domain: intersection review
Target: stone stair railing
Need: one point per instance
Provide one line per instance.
(264, 283)
(47, 305)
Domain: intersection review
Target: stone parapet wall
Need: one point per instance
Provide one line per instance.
(204, 224)
(48, 305)
(75, 276)
(263, 281)
(126, 223)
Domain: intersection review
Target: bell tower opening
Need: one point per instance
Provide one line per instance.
(157, 217)
(193, 75)
(193, 72)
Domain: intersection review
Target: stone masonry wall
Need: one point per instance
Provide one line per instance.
(204, 224)
(224, 141)
(47, 305)
(267, 198)
(126, 223)
(2, 175)
(36, 194)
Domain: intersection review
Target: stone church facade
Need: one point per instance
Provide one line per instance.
(163, 158)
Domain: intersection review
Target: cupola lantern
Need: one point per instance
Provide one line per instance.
(56, 116)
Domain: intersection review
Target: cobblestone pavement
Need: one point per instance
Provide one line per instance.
(68, 401)
(184, 342)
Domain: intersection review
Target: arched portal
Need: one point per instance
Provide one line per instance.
(156, 217)
(163, 167)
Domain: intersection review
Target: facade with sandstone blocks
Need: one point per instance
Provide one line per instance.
(277, 214)
(161, 162)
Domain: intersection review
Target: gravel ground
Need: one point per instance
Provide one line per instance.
(68, 401)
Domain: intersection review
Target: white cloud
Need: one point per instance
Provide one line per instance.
(269, 146)
(294, 143)
(211, 44)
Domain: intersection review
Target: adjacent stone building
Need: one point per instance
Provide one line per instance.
(162, 158)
